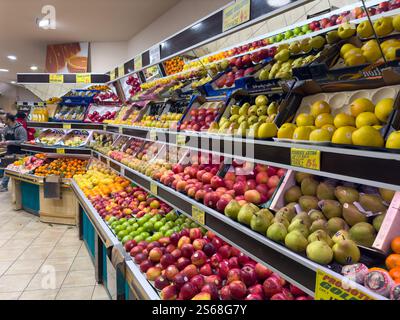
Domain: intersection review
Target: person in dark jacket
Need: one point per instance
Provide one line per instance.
(14, 134)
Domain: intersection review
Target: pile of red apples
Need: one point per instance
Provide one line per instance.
(192, 266)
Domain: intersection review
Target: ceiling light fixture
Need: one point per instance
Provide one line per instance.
(13, 82)
(43, 23)
(11, 57)
(3, 70)
(34, 68)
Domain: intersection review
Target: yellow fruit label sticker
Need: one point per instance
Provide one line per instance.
(66, 126)
(305, 158)
(153, 135)
(180, 140)
(153, 188)
(328, 287)
(83, 78)
(60, 151)
(56, 78)
(198, 215)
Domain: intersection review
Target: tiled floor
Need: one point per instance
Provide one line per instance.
(43, 262)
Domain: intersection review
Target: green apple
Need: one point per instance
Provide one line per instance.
(149, 239)
(164, 229)
(138, 238)
(176, 229)
(135, 226)
(148, 226)
(288, 34)
(145, 235)
(305, 28)
(271, 40)
(140, 230)
(169, 233)
(297, 31)
(157, 236)
(280, 37)
(171, 216)
(122, 220)
(158, 225)
(126, 239)
(133, 234)
(122, 234)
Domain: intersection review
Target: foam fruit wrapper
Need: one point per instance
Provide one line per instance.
(379, 282)
(395, 293)
(355, 272)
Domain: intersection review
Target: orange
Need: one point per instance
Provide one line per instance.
(393, 261)
(396, 245)
(395, 273)
(377, 269)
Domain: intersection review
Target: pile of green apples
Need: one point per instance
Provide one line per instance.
(150, 227)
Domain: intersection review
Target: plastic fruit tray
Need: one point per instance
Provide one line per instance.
(83, 136)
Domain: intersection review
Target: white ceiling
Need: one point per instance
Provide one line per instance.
(77, 20)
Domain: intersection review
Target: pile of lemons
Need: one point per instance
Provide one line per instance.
(362, 127)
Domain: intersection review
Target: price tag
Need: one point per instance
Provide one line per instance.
(120, 130)
(83, 78)
(328, 287)
(153, 135)
(40, 104)
(56, 78)
(108, 162)
(305, 158)
(155, 54)
(121, 71)
(66, 126)
(138, 62)
(180, 140)
(104, 127)
(236, 14)
(153, 188)
(60, 151)
(112, 75)
(198, 215)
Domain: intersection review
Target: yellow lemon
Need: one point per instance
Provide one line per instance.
(367, 136)
(323, 119)
(304, 119)
(286, 131)
(355, 60)
(383, 109)
(267, 130)
(343, 135)
(393, 142)
(366, 119)
(361, 105)
(346, 47)
(344, 120)
(319, 107)
(320, 135)
(302, 133)
(331, 128)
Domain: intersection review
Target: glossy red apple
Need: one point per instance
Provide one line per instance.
(272, 286)
(206, 270)
(262, 272)
(237, 289)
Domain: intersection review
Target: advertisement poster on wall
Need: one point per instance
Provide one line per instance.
(67, 58)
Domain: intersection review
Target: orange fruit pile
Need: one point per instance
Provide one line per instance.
(393, 260)
(174, 65)
(64, 167)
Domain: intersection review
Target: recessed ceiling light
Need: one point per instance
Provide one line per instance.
(3, 70)
(11, 57)
(44, 23)
(13, 82)
(34, 68)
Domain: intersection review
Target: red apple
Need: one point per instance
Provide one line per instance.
(225, 251)
(272, 286)
(252, 196)
(199, 196)
(262, 178)
(225, 293)
(253, 296)
(179, 280)
(190, 271)
(161, 282)
(166, 260)
(262, 189)
(152, 273)
(217, 182)
(182, 263)
(206, 270)
(233, 275)
(199, 258)
(262, 272)
(257, 289)
(187, 250)
(209, 249)
(214, 279)
(296, 291)
(195, 233)
(273, 181)
(211, 289)
(146, 265)
(223, 269)
(206, 178)
(233, 262)
(251, 184)
(240, 188)
(140, 257)
(182, 241)
(199, 244)
(187, 292)
(171, 271)
(248, 276)
(238, 289)
(230, 176)
(169, 293)
(155, 254)
(197, 281)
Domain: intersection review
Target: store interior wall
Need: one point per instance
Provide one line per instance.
(106, 55)
(10, 93)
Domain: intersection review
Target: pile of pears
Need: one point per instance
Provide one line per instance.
(361, 127)
(284, 64)
(247, 120)
(321, 218)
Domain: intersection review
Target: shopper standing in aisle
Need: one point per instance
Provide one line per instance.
(14, 134)
(21, 118)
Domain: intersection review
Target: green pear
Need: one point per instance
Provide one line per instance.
(282, 220)
(363, 234)
(252, 111)
(244, 109)
(320, 224)
(377, 222)
(242, 130)
(276, 232)
(252, 120)
(246, 213)
(304, 217)
(299, 226)
(341, 235)
(346, 252)
(264, 74)
(235, 110)
(320, 235)
(317, 42)
(286, 213)
(319, 252)
(316, 215)
(296, 241)
(232, 209)
(261, 220)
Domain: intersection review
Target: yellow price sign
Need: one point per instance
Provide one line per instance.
(56, 78)
(180, 140)
(329, 287)
(66, 126)
(83, 78)
(153, 135)
(121, 71)
(153, 188)
(198, 215)
(236, 14)
(112, 75)
(305, 158)
(60, 151)
(138, 62)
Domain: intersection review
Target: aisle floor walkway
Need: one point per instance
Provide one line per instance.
(39, 261)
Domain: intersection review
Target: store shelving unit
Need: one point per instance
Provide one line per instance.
(61, 125)
(54, 149)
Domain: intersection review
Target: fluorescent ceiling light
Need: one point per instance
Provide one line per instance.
(278, 3)
(13, 82)
(44, 23)
(11, 57)
(197, 26)
(34, 68)
(3, 70)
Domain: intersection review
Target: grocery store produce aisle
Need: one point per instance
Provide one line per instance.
(43, 262)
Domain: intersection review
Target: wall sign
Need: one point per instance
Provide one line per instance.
(138, 62)
(236, 14)
(155, 54)
(56, 78)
